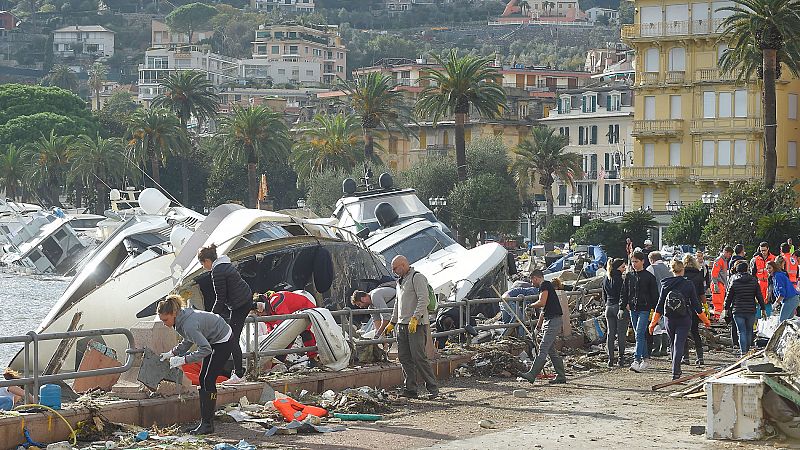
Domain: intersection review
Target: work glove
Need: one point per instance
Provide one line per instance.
(389, 328)
(260, 306)
(412, 325)
(176, 361)
(621, 314)
(654, 322)
(703, 318)
(166, 355)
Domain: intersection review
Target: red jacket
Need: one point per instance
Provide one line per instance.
(285, 302)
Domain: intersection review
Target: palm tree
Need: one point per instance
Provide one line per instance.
(524, 7)
(100, 162)
(153, 134)
(463, 82)
(376, 102)
(328, 142)
(62, 76)
(188, 93)
(543, 154)
(12, 170)
(766, 25)
(48, 162)
(249, 134)
(97, 74)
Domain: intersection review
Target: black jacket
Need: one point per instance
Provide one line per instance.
(639, 290)
(743, 293)
(684, 286)
(699, 281)
(612, 287)
(231, 291)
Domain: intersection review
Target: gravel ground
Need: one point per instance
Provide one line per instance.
(600, 410)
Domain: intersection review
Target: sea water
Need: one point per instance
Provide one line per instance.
(24, 301)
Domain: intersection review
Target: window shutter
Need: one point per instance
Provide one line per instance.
(594, 104)
(583, 103)
(580, 135)
(611, 134)
(559, 106)
(594, 134)
(608, 103)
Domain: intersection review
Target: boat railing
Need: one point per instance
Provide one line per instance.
(32, 377)
(346, 315)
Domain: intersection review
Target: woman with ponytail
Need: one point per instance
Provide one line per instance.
(617, 327)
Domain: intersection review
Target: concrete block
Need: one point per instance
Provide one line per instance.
(733, 408)
(95, 359)
(155, 336)
(153, 371)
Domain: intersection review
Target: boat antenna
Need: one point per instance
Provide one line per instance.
(154, 181)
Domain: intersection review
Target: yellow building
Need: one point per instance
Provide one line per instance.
(696, 129)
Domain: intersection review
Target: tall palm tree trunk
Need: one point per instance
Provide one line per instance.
(770, 118)
(548, 196)
(102, 197)
(368, 144)
(461, 147)
(97, 97)
(184, 157)
(252, 185)
(79, 195)
(154, 169)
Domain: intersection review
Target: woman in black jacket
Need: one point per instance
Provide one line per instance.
(740, 302)
(693, 273)
(233, 299)
(617, 328)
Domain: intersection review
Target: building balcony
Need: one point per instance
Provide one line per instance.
(647, 79)
(727, 125)
(676, 77)
(677, 29)
(725, 173)
(713, 76)
(669, 127)
(435, 151)
(655, 174)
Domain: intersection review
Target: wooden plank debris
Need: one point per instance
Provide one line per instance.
(684, 379)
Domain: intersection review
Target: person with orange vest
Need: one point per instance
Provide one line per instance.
(286, 302)
(719, 279)
(758, 268)
(791, 265)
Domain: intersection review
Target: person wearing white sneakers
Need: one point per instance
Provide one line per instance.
(639, 294)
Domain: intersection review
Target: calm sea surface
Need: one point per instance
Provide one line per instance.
(24, 301)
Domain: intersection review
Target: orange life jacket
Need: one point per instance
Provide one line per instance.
(790, 265)
(760, 264)
(294, 410)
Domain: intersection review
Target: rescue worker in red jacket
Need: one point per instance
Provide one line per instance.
(790, 263)
(719, 279)
(286, 302)
(758, 268)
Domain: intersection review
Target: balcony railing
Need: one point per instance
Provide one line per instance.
(435, 150)
(655, 174)
(713, 76)
(729, 124)
(676, 77)
(667, 127)
(672, 28)
(721, 173)
(648, 78)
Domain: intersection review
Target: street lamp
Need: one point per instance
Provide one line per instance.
(530, 208)
(576, 201)
(301, 203)
(673, 206)
(437, 203)
(709, 198)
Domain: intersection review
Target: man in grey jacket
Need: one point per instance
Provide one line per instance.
(658, 268)
(410, 314)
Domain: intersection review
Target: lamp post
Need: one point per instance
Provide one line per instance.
(301, 203)
(576, 201)
(709, 198)
(622, 158)
(673, 207)
(437, 203)
(530, 208)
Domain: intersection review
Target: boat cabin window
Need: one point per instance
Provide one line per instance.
(85, 223)
(363, 211)
(261, 232)
(419, 245)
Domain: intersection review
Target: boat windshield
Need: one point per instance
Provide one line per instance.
(363, 211)
(419, 245)
(261, 232)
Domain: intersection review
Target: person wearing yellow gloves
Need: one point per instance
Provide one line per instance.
(410, 316)
(678, 301)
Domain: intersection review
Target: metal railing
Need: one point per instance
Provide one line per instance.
(31, 374)
(659, 127)
(346, 320)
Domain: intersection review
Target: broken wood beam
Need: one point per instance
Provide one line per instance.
(656, 387)
(63, 347)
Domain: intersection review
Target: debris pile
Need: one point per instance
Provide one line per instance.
(363, 400)
(492, 363)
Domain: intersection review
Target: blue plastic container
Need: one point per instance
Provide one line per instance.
(50, 395)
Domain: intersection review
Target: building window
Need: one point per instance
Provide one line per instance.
(721, 48)
(647, 197)
(675, 107)
(613, 134)
(261, 49)
(792, 154)
(281, 71)
(563, 131)
(740, 103)
(651, 60)
(309, 73)
(708, 153)
(677, 59)
(739, 152)
(276, 49)
(674, 194)
(339, 69)
(709, 104)
(612, 194)
(724, 153)
(562, 195)
(580, 136)
(675, 154)
(594, 134)
(793, 106)
(725, 104)
(650, 107)
(649, 155)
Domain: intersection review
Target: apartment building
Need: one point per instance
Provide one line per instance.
(696, 129)
(293, 43)
(531, 94)
(83, 40)
(162, 37)
(599, 122)
(292, 6)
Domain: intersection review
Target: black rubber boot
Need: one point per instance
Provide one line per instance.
(561, 374)
(208, 404)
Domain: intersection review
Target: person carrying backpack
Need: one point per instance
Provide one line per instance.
(678, 300)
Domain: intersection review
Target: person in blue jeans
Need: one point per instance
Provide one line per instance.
(678, 301)
(741, 299)
(785, 293)
(639, 295)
